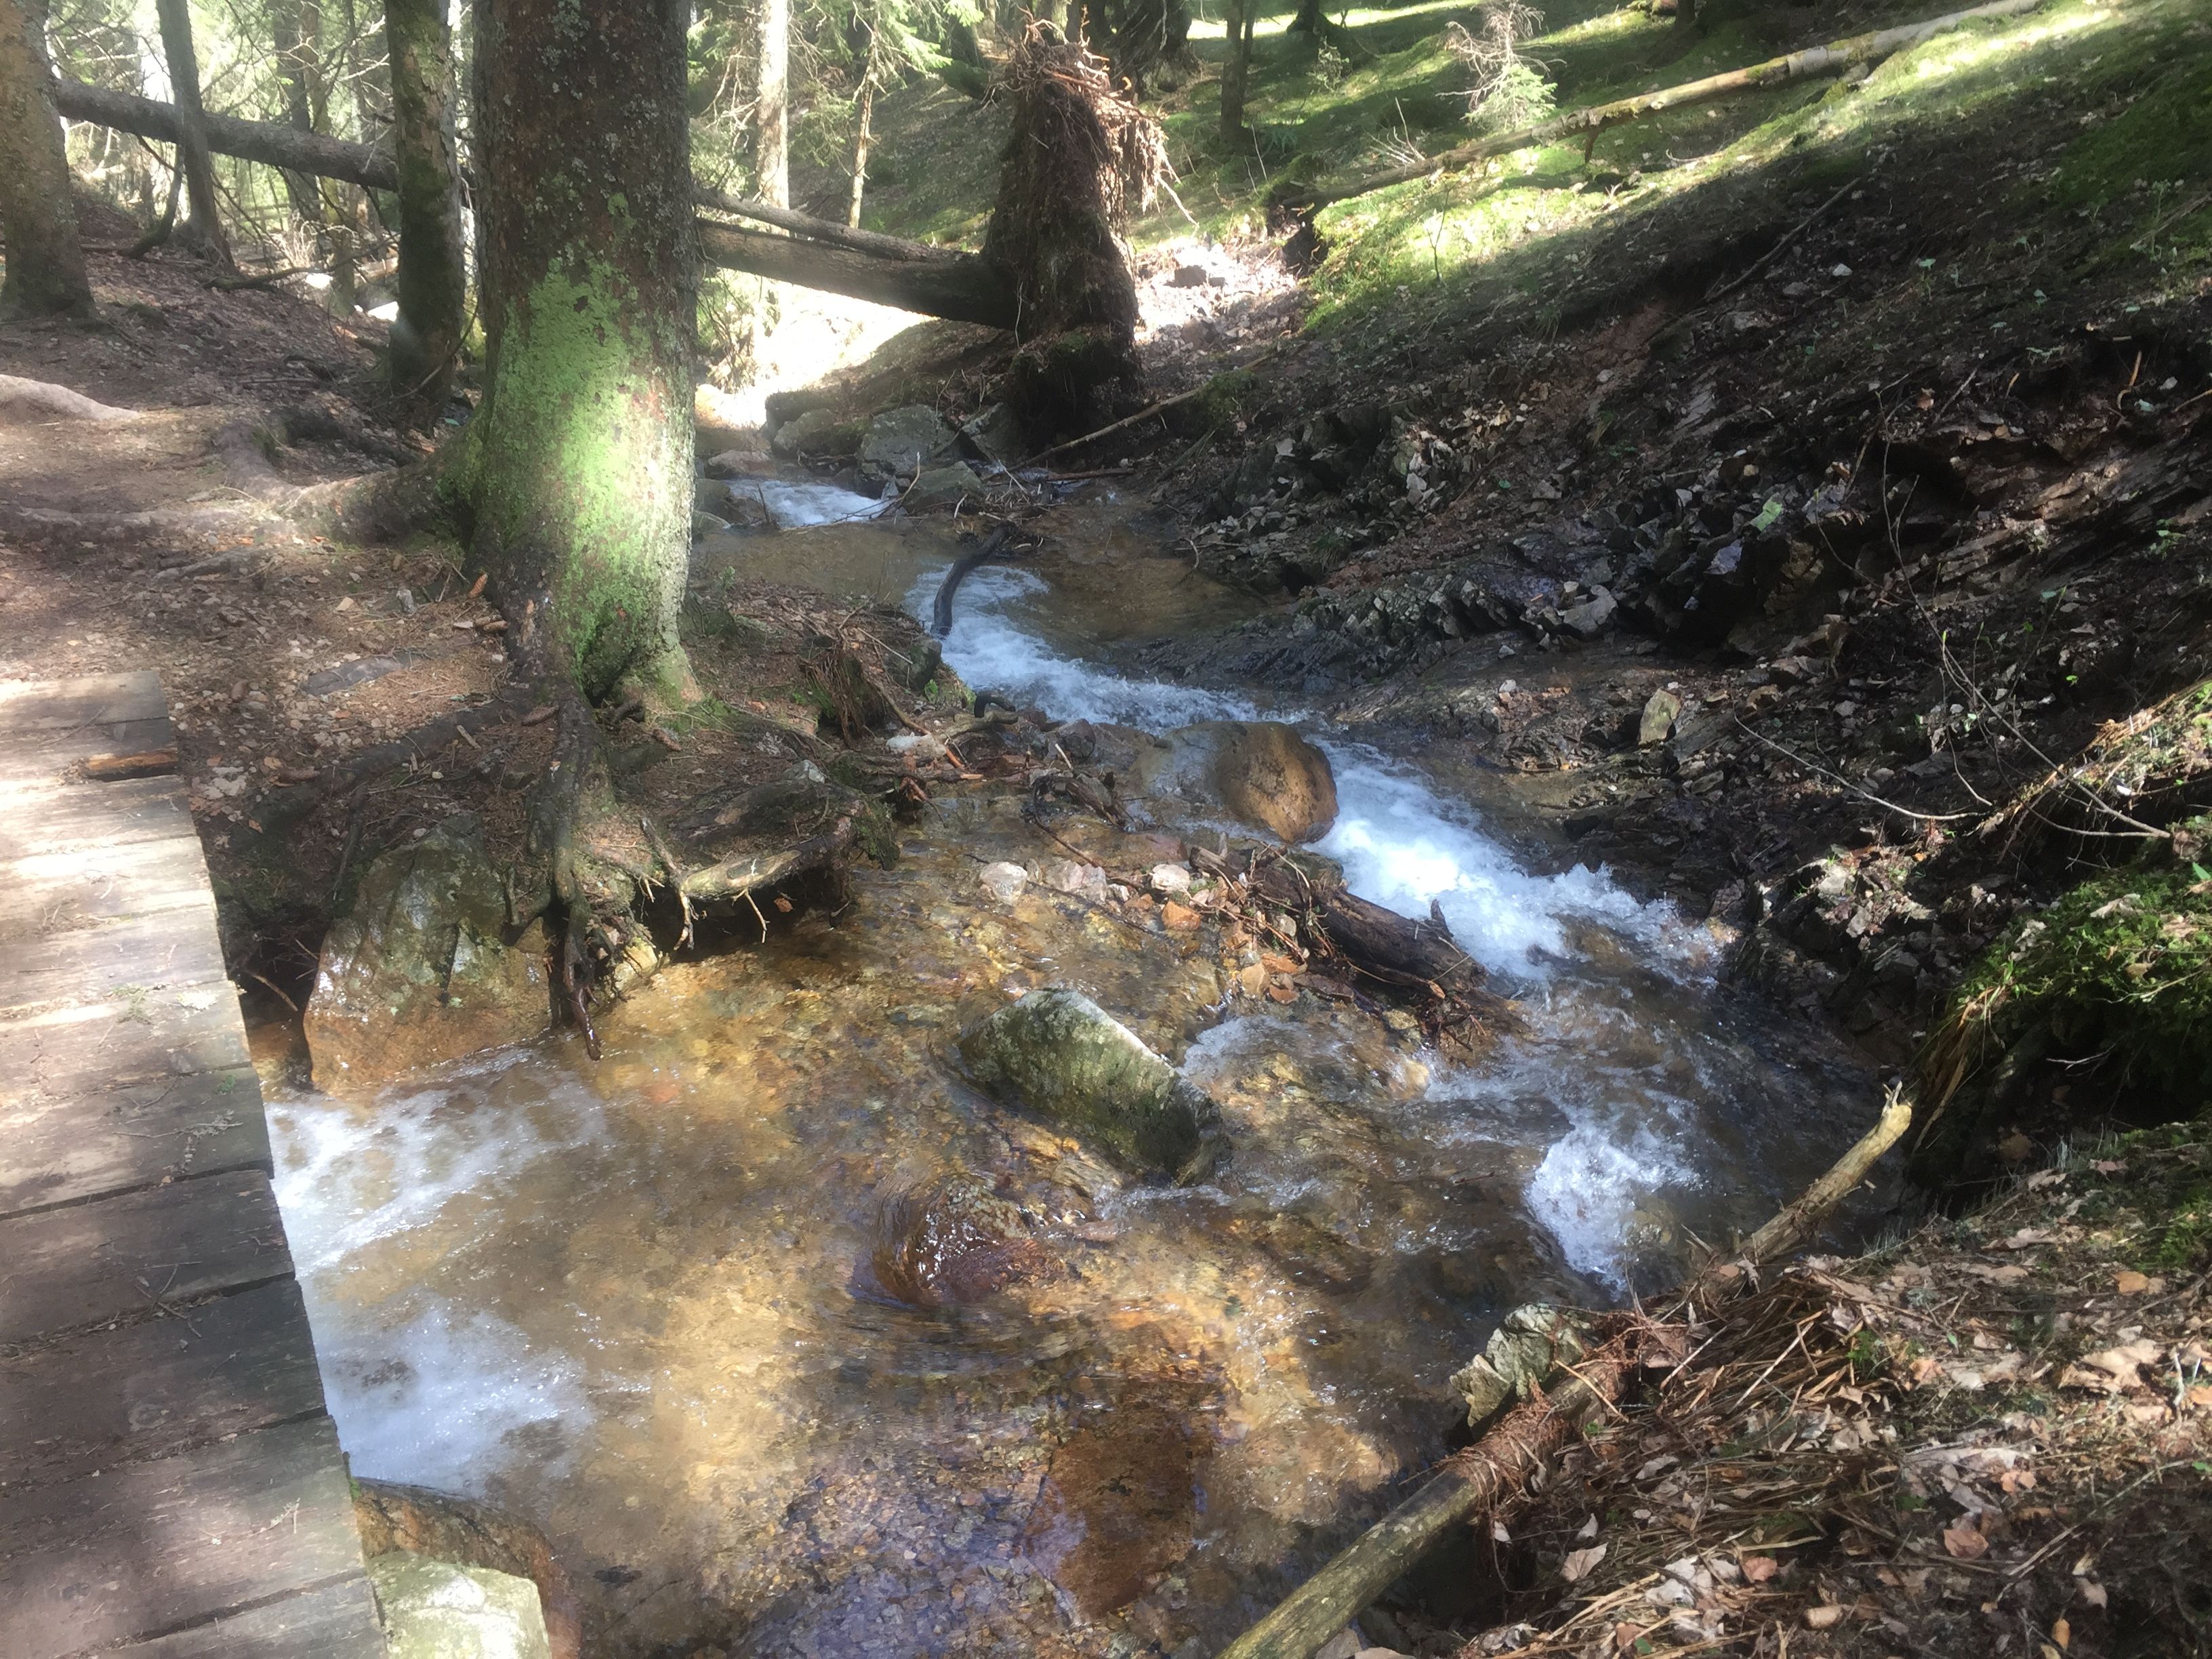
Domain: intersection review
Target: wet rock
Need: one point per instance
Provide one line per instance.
(1083, 880)
(1065, 1058)
(817, 434)
(943, 486)
(901, 442)
(418, 971)
(954, 1240)
(1260, 773)
(1002, 881)
(1120, 1501)
(1170, 879)
(421, 1522)
(1661, 710)
(438, 1610)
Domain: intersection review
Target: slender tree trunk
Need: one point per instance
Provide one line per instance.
(581, 465)
(1237, 71)
(772, 142)
(433, 272)
(293, 64)
(45, 261)
(204, 226)
(860, 145)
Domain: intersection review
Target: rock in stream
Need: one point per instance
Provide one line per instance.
(1064, 1057)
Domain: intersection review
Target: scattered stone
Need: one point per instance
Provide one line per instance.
(1068, 876)
(416, 972)
(741, 464)
(1592, 617)
(1060, 1054)
(1188, 277)
(1178, 918)
(1004, 882)
(1661, 710)
(920, 744)
(436, 1610)
(1169, 880)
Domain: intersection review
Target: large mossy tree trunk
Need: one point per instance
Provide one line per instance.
(1079, 152)
(45, 259)
(426, 338)
(579, 467)
(203, 225)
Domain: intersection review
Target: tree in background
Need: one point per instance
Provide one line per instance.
(426, 336)
(203, 228)
(772, 105)
(1237, 71)
(38, 212)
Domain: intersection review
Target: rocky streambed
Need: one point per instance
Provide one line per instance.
(797, 1335)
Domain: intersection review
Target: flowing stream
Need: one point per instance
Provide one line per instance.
(666, 1304)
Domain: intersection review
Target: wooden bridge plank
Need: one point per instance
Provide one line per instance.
(336, 1622)
(148, 1548)
(61, 1148)
(130, 1393)
(29, 707)
(134, 961)
(68, 818)
(141, 1035)
(45, 758)
(62, 1270)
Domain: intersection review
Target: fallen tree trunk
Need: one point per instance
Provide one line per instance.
(1498, 1467)
(371, 166)
(966, 288)
(1811, 63)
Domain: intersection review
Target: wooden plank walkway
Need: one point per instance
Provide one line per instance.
(171, 1485)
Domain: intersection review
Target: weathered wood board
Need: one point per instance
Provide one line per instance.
(171, 1484)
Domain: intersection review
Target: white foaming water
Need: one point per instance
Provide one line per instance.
(1404, 846)
(794, 506)
(419, 1392)
(992, 652)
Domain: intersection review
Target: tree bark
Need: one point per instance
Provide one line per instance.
(295, 63)
(579, 467)
(1833, 59)
(203, 224)
(860, 146)
(432, 284)
(38, 213)
(772, 111)
(1236, 70)
(965, 288)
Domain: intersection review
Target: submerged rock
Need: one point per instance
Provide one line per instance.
(438, 1610)
(955, 1240)
(1064, 1057)
(1261, 773)
(418, 971)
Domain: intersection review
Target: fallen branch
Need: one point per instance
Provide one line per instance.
(1774, 252)
(1141, 415)
(1813, 63)
(1497, 1468)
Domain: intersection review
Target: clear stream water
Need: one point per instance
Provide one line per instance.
(653, 1304)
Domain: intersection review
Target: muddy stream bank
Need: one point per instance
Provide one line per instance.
(796, 1344)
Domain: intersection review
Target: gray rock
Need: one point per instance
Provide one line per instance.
(818, 432)
(1661, 710)
(740, 464)
(994, 435)
(417, 971)
(1003, 881)
(1261, 773)
(1071, 876)
(1522, 1352)
(436, 1610)
(1065, 1058)
(901, 442)
(940, 486)
(1592, 617)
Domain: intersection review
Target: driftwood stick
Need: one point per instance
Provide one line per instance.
(1833, 59)
(1495, 1469)
(1483, 1476)
(1147, 414)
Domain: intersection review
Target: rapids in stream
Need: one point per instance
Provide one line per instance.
(662, 1304)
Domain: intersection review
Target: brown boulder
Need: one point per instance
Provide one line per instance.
(417, 1521)
(1261, 773)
